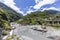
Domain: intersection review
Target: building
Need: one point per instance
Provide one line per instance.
(53, 21)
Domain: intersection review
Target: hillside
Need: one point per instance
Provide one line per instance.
(36, 17)
(7, 15)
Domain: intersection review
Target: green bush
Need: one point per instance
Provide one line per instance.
(4, 32)
(4, 24)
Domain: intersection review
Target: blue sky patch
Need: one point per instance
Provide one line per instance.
(25, 5)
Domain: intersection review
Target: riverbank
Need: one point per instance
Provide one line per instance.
(5, 37)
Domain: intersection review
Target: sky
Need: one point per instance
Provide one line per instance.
(27, 6)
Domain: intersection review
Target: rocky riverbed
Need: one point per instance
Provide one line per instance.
(26, 33)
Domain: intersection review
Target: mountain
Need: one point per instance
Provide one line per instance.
(52, 11)
(8, 11)
(7, 15)
(36, 17)
(2, 5)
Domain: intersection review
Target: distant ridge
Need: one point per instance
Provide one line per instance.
(52, 11)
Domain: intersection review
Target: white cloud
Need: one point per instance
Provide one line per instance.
(40, 3)
(11, 4)
(37, 1)
(53, 8)
(30, 10)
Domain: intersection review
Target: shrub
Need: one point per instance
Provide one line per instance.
(4, 32)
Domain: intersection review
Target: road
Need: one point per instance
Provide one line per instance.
(26, 33)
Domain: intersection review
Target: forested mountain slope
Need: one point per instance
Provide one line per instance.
(7, 15)
(35, 17)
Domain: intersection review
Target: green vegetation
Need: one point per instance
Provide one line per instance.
(4, 32)
(56, 26)
(4, 24)
(7, 15)
(12, 37)
(36, 18)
